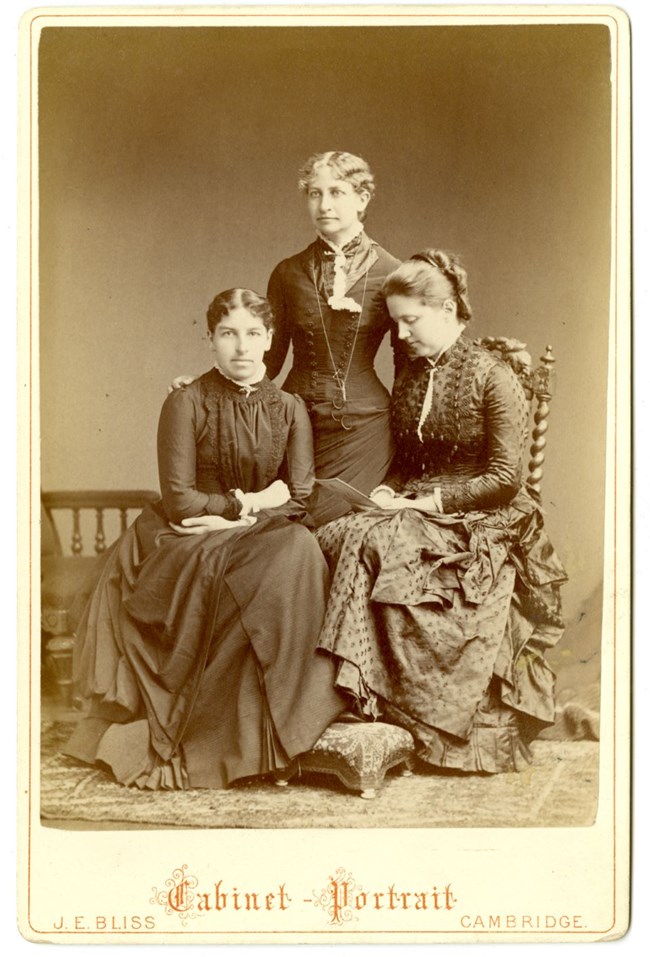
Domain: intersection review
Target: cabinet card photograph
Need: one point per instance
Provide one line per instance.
(325, 502)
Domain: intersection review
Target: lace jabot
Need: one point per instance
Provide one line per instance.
(337, 269)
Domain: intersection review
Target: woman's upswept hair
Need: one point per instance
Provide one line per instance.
(225, 302)
(346, 166)
(431, 275)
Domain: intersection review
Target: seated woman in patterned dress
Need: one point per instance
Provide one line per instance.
(445, 597)
(197, 650)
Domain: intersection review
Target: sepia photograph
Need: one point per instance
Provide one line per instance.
(325, 318)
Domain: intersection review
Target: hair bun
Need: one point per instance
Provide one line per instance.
(452, 269)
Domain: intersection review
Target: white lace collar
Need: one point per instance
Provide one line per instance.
(246, 387)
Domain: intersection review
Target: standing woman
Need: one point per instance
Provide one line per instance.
(327, 304)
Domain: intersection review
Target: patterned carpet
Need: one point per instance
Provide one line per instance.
(559, 790)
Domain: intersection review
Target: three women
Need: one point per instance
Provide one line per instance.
(199, 654)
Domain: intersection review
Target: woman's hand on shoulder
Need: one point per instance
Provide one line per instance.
(200, 524)
(180, 381)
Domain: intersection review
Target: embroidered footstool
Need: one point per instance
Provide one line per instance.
(359, 753)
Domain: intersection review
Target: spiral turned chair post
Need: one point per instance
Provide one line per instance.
(543, 388)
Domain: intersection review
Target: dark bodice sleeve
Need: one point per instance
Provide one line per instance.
(178, 427)
(505, 416)
(276, 355)
(299, 459)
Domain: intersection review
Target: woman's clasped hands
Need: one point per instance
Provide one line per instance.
(273, 496)
(200, 524)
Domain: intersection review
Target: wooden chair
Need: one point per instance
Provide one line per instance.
(539, 386)
(359, 754)
(67, 575)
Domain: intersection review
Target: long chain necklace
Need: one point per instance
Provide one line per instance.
(339, 377)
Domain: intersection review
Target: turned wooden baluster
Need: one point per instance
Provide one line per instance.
(100, 536)
(543, 386)
(77, 544)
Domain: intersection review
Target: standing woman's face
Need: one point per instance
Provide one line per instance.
(334, 205)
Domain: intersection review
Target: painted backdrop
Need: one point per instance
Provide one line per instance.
(168, 172)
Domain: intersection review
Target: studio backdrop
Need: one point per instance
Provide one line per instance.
(168, 172)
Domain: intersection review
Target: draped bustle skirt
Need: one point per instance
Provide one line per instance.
(440, 624)
(198, 655)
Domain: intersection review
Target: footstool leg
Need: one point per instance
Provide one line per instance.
(282, 776)
(408, 766)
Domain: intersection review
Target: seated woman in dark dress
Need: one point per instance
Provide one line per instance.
(197, 649)
(445, 597)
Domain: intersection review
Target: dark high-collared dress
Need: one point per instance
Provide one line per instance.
(352, 437)
(198, 653)
(440, 621)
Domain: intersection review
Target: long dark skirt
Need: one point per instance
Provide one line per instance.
(355, 446)
(198, 655)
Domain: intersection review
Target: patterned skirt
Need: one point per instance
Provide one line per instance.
(439, 623)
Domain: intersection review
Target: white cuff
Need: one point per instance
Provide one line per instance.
(384, 488)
